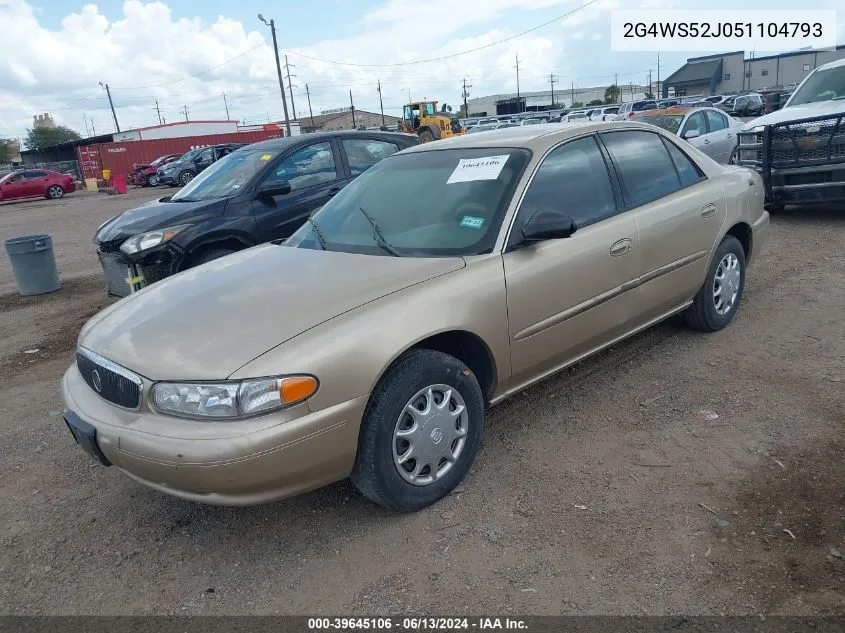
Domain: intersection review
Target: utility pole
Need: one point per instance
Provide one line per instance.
(226, 105)
(158, 112)
(310, 113)
(290, 87)
(518, 102)
(659, 93)
(111, 104)
(572, 94)
(93, 129)
(380, 103)
(185, 111)
(631, 86)
(465, 95)
(649, 85)
(616, 96)
(84, 118)
(354, 127)
(552, 82)
(272, 25)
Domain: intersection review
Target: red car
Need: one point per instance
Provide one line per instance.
(35, 182)
(145, 175)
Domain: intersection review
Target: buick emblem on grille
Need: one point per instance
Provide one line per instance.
(97, 380)
(808, 143)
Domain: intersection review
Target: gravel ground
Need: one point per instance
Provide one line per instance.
(603, 490)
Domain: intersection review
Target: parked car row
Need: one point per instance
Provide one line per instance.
(428, 285)
(144, 175)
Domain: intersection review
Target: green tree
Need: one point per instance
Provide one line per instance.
(595, 102)
(577, 104)
(649, 95)
(5, 152)
(38, 138)
(611, 94)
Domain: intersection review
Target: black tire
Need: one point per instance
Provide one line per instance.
(702, 314)
(374, 472)
(185, 177)
(209, 255)
(734, 157)
(774, 207)
(151, 181)
(426, 136)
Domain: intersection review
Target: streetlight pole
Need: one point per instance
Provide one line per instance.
(272, 25)
(111, 104)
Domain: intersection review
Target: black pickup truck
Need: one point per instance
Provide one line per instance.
(800, 149)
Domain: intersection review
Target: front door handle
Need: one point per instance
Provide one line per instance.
(708, 210)
(332, 191)
(621, 247)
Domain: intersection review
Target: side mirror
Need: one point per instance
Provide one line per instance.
(692, 134)
(548, 225)
(272, 188)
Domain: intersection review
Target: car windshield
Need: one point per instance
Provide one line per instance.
(670, 122)
(447, 202)
(822, 85)
(226, 176)
(189, 154)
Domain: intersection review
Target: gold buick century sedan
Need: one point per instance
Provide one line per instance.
(444, 279)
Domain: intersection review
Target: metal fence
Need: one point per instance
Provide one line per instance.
(64, 167)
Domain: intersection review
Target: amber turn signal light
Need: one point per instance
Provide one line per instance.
(297, 388)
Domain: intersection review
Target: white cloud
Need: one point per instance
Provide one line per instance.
(597, 36)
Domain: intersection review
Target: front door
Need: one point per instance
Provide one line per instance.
(315, 174)
(697, 122)
(679, 213)
(204, 159)
(13, 188)
(722, 137)
(569, 296)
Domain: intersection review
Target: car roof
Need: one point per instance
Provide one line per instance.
(833, 64)
(290, 141)
(673, 110)
(537, 138)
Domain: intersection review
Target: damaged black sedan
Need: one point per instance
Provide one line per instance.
(259, 193)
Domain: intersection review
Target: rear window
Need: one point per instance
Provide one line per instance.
(644, 105)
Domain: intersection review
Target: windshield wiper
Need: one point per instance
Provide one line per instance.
(378, 236)
(317, 233)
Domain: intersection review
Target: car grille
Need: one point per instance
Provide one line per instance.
(808, 142)
(111, 382)
(116, 271)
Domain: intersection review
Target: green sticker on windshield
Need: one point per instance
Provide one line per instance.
(472, 222)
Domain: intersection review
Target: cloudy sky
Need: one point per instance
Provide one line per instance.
(54, 53)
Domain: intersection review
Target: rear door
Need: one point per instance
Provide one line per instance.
(315, 172)
(568, 296)
(679, 212)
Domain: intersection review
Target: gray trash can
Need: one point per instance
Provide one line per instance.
(34, 264)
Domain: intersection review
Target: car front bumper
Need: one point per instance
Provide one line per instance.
(227, 463)
(124, 275)
(166, 178)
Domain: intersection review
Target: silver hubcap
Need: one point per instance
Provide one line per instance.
(153, 181)
(55, 192)
(430, 434)
(726, 284)
(186, 178)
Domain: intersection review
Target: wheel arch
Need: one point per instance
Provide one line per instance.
(743, 233)
(467, 347)
(233, 241)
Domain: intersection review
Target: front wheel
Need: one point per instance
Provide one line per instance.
(734, 158)
(54, 192)
(426, 136)
(718, 300)
(185, 177)
(421, 431)
(152, 180)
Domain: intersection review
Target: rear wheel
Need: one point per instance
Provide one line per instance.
(185, 177)
(426, 136)
(734, 159)
(152, 180)
(55, 192)
(718, 300)
(421, 431)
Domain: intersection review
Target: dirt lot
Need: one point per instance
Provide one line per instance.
(604, 490)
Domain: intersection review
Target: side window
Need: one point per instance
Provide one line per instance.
(32, 175)
(716, 120)
(308, 166)
(688, 171)
(695, 122)
(572, 178)
(645, 168)
(364, 153)
(205, 156)
(16, 178)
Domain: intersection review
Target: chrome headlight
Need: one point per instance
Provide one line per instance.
(232, 399)
(146, 241)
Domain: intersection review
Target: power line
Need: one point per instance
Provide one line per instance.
(441, 58)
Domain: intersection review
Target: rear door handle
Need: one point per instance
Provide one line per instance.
(708, 210)
(621, 247)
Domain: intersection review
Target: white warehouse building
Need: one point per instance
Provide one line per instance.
(494, 105)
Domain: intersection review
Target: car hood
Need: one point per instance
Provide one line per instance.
(172, 165)
(155, 215)
(803, 111)
(207, 322)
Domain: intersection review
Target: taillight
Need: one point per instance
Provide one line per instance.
(631, 113)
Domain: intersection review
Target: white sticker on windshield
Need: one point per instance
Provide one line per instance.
(486, 168)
